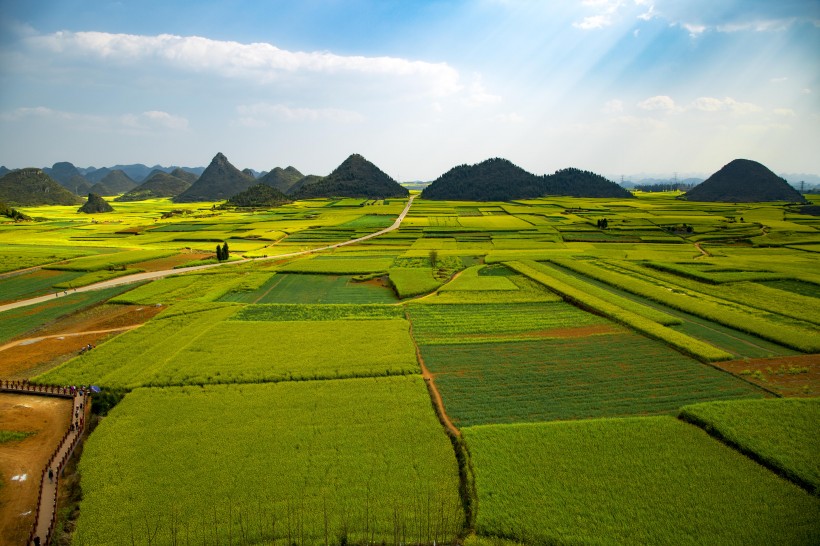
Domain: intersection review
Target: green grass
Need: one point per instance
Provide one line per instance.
(607, 375)
(18, 321)
(13, 436)
(205, 348)
(22, 256)
(780, 433)
(108, 261)
(490, 323)
(283, 463)
(93, 277)
(681, 342)
(201, 286)
(630, 481)
(471, 279)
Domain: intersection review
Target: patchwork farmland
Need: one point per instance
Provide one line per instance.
(487, 372)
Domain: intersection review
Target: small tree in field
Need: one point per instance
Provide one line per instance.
(219, 253)
(225, 252)
(433, 258)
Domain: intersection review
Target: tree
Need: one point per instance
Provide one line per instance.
(219, 253)
(225, 252)
(433, 258)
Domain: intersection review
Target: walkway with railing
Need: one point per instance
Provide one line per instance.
(45, 517)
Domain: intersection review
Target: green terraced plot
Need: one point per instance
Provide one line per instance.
(205, 348)
(289, 311)
(630, 481)
(18, 321)
(607, 375)
(490, 323)
(308, 289)
(352, 460)
(781, 433)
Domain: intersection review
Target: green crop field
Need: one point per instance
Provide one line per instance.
(630, 481)
(205, 348)
(490, 323)
(781, 433)
(280, 401)
(16, 322)
(605, 375)
(284, 463)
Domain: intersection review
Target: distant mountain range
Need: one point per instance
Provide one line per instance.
(493, 179)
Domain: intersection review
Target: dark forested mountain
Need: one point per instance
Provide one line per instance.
(32, 188)
(282, 179)
(258, 196)
(500, 180)
(577, 183)
(220, 181)
(4, 171)
(160, 184)
(355, 177)
(62, 172)
(744, 181)
(101, 189)
(491, 180)
(304, 181)
(249, 172)
(95, 204)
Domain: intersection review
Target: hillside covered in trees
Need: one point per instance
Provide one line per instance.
(160, 184)
(218, 182)
(32, 188)
(355, 177)
(500, 180)
(258, 196)
(744, 181)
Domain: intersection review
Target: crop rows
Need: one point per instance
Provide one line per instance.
(448, 324)
(629, 481)
(790, 336)
(413, 281)
(350, 461)
(338, 266)
(107, 261)
(205, 348)
(612, 374)
(679, 341)
(290, 312)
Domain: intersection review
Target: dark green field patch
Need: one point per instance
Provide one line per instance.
(612, 375)
(298, 288)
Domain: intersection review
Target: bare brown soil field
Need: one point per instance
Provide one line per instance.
(55, 343)
(786, 375)
(48, 418)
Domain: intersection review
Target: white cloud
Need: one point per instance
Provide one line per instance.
(661, 103)
(258, 61)
(728, 104)
(258, 115)
(145, 122)
(593, 22)
(693, 29)
(613, 106)
(478, 95)
(784, 112)
(778, 80)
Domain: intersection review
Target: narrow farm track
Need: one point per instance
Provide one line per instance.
(151, 275)
(30, 340)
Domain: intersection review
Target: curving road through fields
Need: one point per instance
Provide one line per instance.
(151, 275)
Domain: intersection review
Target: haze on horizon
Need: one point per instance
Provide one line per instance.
(613, 86)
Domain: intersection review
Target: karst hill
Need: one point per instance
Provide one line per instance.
(32, 188)
(500, 180)
(744, 181)
(355, 177)
(218, 182)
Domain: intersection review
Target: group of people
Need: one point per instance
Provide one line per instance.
(86, 348)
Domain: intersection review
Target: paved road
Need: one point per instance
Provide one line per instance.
(151, 275)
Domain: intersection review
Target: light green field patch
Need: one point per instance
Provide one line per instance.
(471, 280)
(630, 481)
(413, 281)
(351, 460)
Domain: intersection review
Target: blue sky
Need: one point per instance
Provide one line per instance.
(613, 86)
